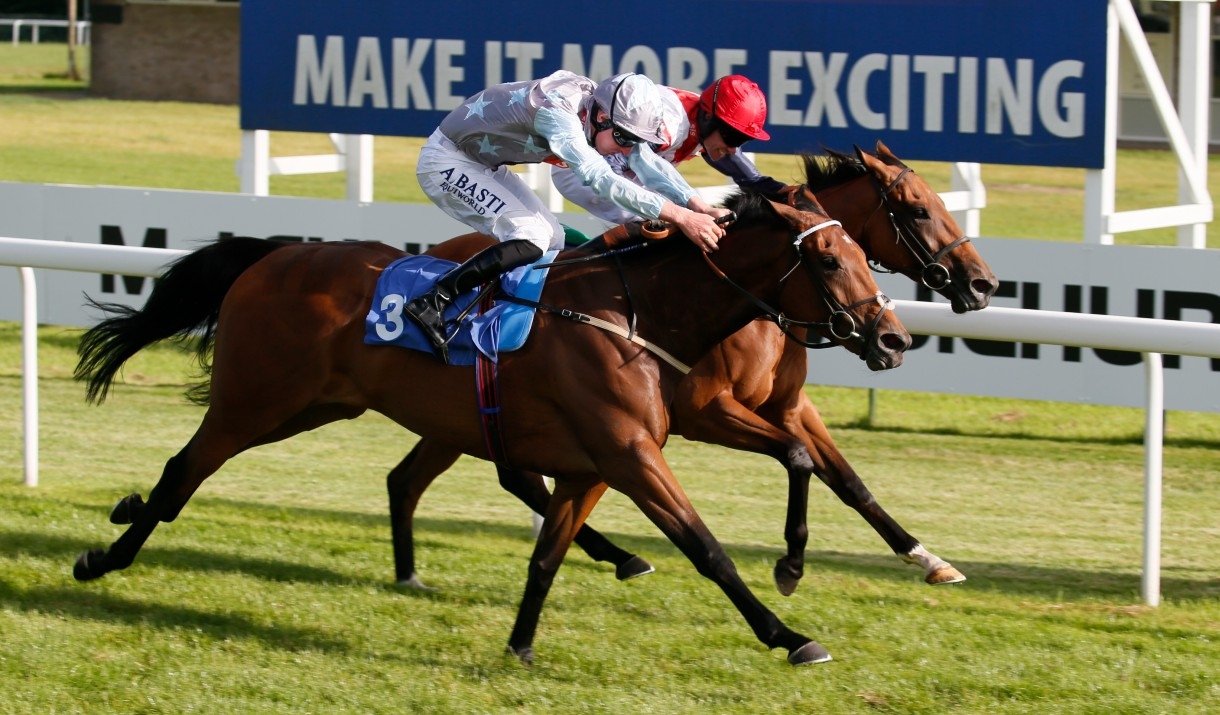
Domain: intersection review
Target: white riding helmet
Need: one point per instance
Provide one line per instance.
(633, 103)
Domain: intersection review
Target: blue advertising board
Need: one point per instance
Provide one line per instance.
(991, 81)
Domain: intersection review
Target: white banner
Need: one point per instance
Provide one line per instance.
(1150, 282)
(1168, 283)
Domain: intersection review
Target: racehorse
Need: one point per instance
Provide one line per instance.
(282, 328)
(748, 393)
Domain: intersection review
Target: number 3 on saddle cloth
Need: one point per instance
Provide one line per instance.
(501, 328)
(483, 334)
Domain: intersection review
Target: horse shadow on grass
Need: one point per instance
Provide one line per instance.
(81, 602)
(438, 542)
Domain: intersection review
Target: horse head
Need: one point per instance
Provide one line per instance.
(824, 285)
(903, 225)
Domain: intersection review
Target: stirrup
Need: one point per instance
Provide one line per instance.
(428, 312)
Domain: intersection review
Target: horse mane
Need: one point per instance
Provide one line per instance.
(823, 171)
(752, 207)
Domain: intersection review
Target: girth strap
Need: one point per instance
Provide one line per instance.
(487, 389)
(604, 325)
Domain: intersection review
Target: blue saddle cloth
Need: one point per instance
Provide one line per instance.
(501, 329)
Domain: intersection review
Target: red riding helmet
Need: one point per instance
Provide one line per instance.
(737, 102)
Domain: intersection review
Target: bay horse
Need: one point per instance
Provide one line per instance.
(282, 330)
(748, 392)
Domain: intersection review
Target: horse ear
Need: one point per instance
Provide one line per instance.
(884, 152)
(869, 161)
(786, 212)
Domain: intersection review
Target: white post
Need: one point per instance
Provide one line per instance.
(968, 177)
(16, 32)
(254, 167)
(1154, 430)
(358, 151)
(29, 373)
(1099, 183)
(538, 177)
(1194, 71)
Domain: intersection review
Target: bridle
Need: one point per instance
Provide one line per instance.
(932, 274)
(840, 323)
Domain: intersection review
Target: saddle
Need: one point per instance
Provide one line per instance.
(502, 320)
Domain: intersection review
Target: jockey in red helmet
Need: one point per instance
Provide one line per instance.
(734, 106)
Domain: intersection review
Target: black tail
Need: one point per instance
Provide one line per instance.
(185, 300)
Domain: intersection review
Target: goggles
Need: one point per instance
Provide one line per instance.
(624, 138)
(731, 136)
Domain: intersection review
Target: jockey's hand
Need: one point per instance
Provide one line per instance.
(700, 228)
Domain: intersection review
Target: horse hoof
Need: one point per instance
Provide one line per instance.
(415, 583)
(944, 575)
(809, 654)
(633, 567)
(88, 565)
(525, 655)
(785, 581)
(124, 511)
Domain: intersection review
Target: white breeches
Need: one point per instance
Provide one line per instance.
(495, 201)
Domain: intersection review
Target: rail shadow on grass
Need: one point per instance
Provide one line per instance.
(1118, 441)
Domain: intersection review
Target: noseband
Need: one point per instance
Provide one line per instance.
(932, 274)
(840, 323)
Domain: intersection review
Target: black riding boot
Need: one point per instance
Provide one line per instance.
(428, 310)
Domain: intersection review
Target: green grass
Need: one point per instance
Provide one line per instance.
(87, 140)
(273, 591)
(40, 68)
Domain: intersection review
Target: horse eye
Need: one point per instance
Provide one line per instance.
(920, 212)
(830, 263)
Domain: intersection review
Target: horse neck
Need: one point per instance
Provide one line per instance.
(857, 206)
(683, 306)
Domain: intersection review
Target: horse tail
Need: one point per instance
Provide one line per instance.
(185, 302)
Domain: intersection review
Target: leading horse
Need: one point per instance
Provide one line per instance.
(283, 327)
(748, 393)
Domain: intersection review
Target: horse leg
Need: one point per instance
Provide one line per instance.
(406, 483)
(183, 474)
(531, 489)
(566, 511)
(727, 422)
(836, 473)
(653, 488)
(209, 448)
(428, 460)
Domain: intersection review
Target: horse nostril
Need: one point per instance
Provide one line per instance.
(984, 287)
(895, 342)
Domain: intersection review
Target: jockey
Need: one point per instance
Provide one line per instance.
(565, 120)
(715, 124)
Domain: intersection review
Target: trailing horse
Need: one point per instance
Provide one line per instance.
(748, 393)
